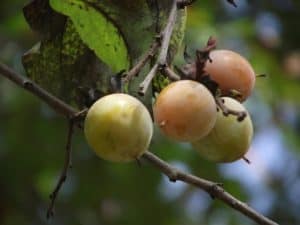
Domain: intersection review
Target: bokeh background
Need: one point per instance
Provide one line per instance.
(32, 136)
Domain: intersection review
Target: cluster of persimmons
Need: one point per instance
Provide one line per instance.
(119, 128)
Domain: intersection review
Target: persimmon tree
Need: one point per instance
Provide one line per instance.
(92, 48)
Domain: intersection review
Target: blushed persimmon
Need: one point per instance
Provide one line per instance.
(185, 110)
(232, 72)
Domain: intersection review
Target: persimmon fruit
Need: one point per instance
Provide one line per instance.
(232, 72)
(118, 127)
(185, 111)
(230, 139)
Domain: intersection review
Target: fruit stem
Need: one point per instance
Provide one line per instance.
(246, 159)
(232, 2)
(241, 115)
(202, 55)
(263, 75)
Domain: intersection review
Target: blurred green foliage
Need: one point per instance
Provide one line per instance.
(32, 136)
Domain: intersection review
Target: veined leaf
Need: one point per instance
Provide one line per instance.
(96, 31)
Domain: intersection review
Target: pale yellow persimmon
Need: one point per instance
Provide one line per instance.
(118, 127)
(230, 139)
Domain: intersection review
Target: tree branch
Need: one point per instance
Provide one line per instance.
(142, 62)
(212, 188)
(232, 2)
(174, 174)
(166, 35)
(170, 73)
(55, 103)
(161, 62)
(183, 3)
(164, 41)
(64, 172)
(147, 81)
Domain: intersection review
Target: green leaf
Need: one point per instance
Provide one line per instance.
(96, 31)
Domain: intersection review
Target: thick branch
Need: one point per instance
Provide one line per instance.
(55, 103)
(174, 174)
(214, 189)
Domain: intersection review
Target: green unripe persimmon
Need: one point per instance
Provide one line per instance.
(118, 127)
(230, 139)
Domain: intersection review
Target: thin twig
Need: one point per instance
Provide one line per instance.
(174, 174)
(76, 119)
(261, 75)
(202, 56)
(246, 159)
(142, 62)
(55, 103)
(241, 115)
(235, 94)
(170, 73)
(232, 2)
(212, 188)
(147, 81)
(64, 172)
(166, 35)
(162, 58)
(183, 3)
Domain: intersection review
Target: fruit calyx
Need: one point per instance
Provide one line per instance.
(195, 70)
